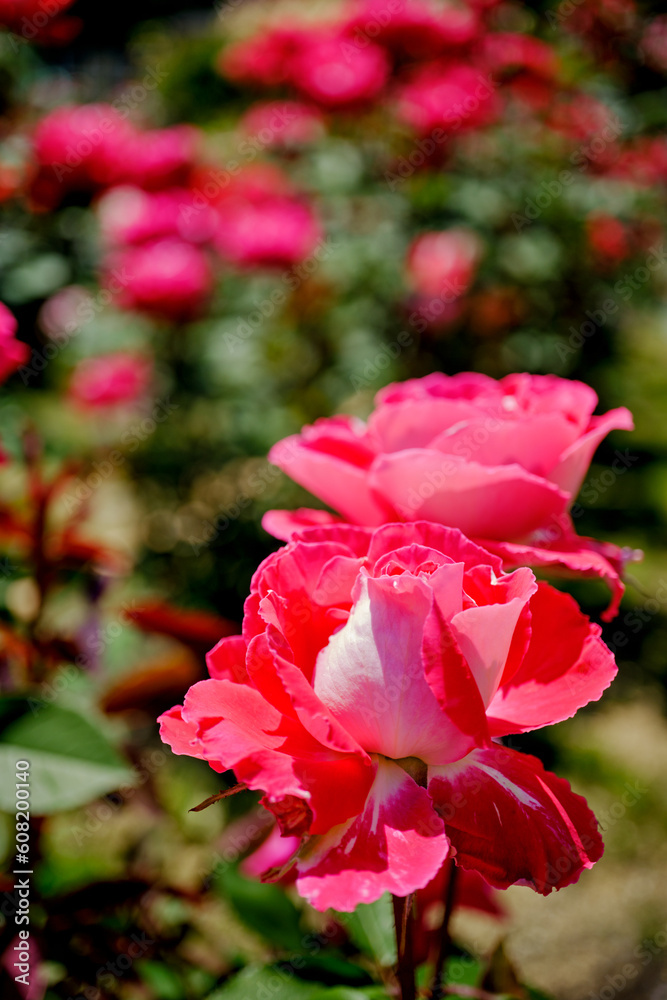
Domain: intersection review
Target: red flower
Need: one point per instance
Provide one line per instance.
(374, 670)
(503, 461)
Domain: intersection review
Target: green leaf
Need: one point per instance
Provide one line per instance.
(271, 983)
(162, 980)
(264, 908)
(371, 928)
(70, 761)
(332, 967)
(265, 983)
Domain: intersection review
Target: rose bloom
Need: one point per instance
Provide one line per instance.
(78, 146)
(608, 238)
(130, 215)
(269, 232)
(331, 70)
(168, 279)
(282, 124)
(375, 670)
(447, 96)
(529, 65)
(160, 158)
(653, 44)
(39, 20)
(110, 380)
(13, 352)
(264, 59)
(501, 460)
(443, 264)
(420, 29)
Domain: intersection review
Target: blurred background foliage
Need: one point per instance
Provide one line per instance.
(130, 526)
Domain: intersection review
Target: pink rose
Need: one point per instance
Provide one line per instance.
(453, 97)
(375, 669)
(282, 124)
(77, 147)
(130, 215)
(333, 71)
(13, 352)
(265, 58)
(110, 380)
(420, 29)
(271, 232)
(443, 264)
(169, 279)
(501, 460)
(159, 158)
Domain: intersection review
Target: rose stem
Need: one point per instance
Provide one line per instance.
(445, 936)
(404, 930)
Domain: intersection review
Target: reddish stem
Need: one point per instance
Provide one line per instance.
(439, 989)
(404, 933)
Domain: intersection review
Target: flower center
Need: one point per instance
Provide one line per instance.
(415, 767)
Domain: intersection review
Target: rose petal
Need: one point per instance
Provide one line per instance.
(503, 502)
(397, 844)
(514, 822)
(567, 666)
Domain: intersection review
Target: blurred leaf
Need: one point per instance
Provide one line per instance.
(371, 928)
(330, 967)
(70, 761)
(273, 984)
(265, 981)
(264, 908)
(162, 980)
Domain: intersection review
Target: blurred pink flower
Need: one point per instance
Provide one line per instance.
(159, 158)
(331, 70)
(271, 232)
(527, 65)
(168, 279)
(130, 215)
(77, 147)
(419, 29)
(40, 21)
(265, 58)
(110, 380)
(653, 44)
(13, 352)
(278, 124)
(453, 97)
(443, 264)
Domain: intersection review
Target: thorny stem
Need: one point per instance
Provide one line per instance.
(404, 930)
(439, 989)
